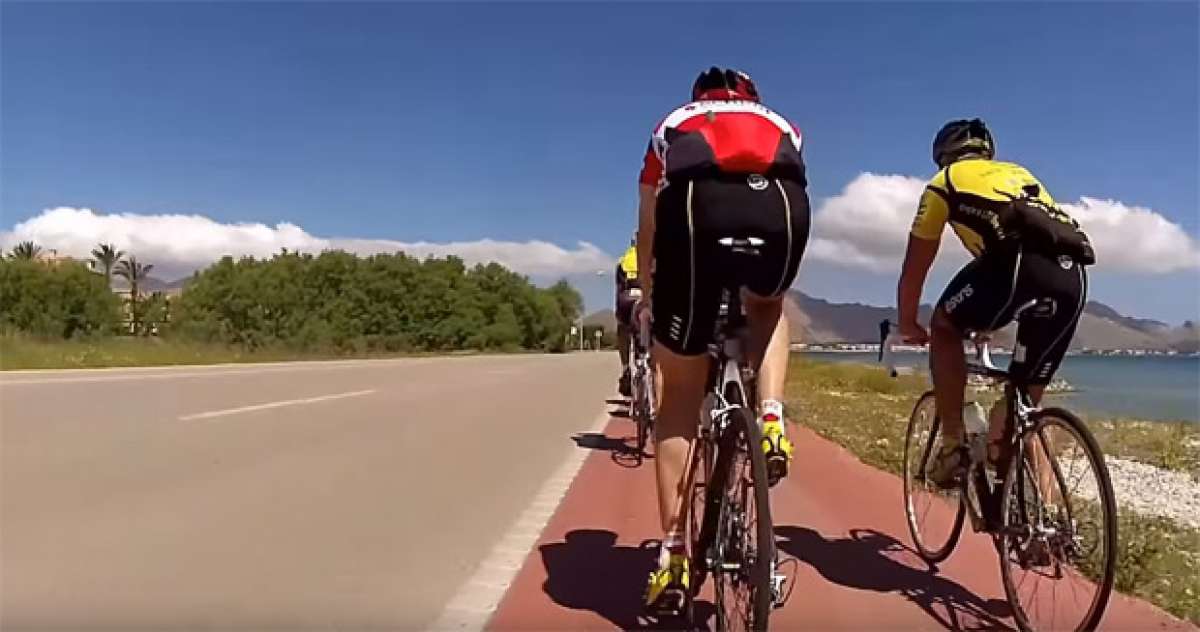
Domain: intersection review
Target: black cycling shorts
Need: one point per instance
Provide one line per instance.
(984, 295)
(691, 268)
(624, 311)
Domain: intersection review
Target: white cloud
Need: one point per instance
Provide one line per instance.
(179, 244)
(1135, 239)
(866, 227)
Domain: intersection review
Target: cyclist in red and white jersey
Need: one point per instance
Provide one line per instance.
(722, 165)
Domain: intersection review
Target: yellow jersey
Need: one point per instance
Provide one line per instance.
(974, 196)
(629, 264)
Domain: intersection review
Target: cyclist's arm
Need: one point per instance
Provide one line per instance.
(648, 181)
(647, 201)
(922, 249)
(918, 258)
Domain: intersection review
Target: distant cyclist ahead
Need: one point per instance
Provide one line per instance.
(721, 166)
(628, 293)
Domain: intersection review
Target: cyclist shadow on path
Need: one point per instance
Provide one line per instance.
(623, 451)
(865, 561)
(588, 571)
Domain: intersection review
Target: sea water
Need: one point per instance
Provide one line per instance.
(1142, 387)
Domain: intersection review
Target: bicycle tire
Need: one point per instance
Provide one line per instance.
(645, 407)
(1108, 513)
(700, 520)
(742, 436)
(643, 423)
(928, 553)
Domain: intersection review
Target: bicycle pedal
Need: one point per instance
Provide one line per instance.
(781, 591)
(672, 603)
(777, 467)
(778, 598)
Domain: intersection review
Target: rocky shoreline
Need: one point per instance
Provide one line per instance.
(1149, 490)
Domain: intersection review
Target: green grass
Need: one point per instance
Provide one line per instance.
(1172, 446)
(859, 407)
(20, 352)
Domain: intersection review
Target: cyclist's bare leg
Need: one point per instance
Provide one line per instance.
(768, 353)
(949, 367)
(997, 420)
(769, 343)
(997, 417)
(683, 385)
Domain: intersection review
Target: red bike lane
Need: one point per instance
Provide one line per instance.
(840, 521)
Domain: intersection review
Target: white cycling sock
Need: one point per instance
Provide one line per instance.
(771, 407)
(672, 543)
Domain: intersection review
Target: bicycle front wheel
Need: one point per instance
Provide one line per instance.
(935, 516)
(1058, 540)
(745, 543)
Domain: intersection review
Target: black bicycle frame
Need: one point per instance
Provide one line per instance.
(729, 330)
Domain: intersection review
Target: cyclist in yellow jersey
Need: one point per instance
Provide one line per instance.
(628, 292)
(1025, 248)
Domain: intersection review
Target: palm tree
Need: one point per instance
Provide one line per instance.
(25, 250)
(134, 272)
(106, 256)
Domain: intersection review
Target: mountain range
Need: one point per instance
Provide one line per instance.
(818, 321)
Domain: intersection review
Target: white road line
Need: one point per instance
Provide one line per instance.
(477, 598)
(172, 373)
(118, 374)
(287, 402)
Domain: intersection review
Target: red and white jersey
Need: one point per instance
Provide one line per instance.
(734, 136)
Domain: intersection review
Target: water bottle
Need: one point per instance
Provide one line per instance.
(975, 424)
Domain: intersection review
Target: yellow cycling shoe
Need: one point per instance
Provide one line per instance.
(669, 587)
(777, 448)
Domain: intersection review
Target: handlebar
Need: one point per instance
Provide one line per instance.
(890, 337)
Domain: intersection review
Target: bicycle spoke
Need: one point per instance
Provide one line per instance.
(934, 515)
(1059, 528)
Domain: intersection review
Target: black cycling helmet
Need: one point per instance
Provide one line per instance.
(735, 84)
(961, 138)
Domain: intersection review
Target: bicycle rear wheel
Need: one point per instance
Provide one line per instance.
(1058, 540)
(643, 404)
(744, 544)
(935, 516)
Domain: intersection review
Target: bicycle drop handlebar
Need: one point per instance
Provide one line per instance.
(981, 364)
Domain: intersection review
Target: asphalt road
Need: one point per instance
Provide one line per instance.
(341, 495)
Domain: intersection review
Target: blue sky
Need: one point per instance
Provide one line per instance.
(514, 122)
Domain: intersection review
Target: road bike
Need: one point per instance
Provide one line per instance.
(729, 530)
(1048, 524)
(643, 402)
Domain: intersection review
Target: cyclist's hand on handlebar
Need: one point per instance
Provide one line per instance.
(914, 333)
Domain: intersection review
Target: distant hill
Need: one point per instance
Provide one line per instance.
(818, 321)
(1145, 325)
(151, 284)
(605, 318)
(1101, 327)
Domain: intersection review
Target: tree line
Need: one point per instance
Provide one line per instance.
(334, 301)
